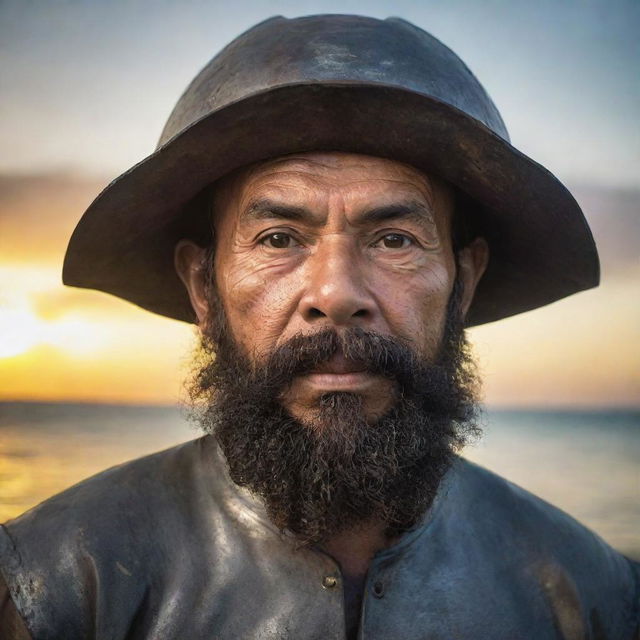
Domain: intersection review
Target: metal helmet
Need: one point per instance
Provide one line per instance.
(336, 83)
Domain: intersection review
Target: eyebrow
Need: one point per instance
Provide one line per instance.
(265, 209)
(414, 211)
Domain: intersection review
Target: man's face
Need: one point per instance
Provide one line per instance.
(333, 240)
(334, 370)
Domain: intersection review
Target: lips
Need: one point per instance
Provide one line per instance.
(338, 364)
(339, 374)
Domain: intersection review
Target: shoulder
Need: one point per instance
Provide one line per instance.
(501, 511)
(117, 493)
(103, 537)
(532, 542)
(522, 516)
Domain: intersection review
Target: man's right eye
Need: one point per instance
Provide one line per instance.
(278, 240)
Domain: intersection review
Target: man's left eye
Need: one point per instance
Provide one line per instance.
(394, 241)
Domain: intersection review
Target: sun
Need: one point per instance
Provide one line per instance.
(20, 329)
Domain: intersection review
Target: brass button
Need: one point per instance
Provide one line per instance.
(329, 582)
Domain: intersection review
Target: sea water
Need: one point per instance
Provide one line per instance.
(585, 462)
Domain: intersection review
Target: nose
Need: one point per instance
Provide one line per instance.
(336, 291)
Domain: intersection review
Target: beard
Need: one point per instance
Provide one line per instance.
(339, 470)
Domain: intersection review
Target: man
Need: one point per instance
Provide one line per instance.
(333, 200)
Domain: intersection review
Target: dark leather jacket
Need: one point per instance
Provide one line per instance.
(168, 547)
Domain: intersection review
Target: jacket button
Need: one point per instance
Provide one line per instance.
(378, 589)
(329, 582)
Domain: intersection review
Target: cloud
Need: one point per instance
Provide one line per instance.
(38, 213)
(614, 217)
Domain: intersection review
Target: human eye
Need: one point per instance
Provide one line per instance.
(278, 240)
(394, 241)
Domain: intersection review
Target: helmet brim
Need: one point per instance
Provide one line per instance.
(541, 248)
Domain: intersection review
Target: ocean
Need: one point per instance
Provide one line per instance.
(585, 462)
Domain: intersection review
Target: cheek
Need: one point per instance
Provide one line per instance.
(257, 301)
(416, 305)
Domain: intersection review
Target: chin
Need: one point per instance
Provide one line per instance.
(340, 413)
(319, 406)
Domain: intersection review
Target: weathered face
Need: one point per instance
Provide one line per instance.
(332, 305)
(333, 240)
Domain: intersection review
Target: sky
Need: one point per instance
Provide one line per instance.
(87, 86)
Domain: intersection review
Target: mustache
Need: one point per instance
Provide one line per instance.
(387, 356)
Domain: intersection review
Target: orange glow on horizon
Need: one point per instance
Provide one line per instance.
(57, 345)
(84, 346)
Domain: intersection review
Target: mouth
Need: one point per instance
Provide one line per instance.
(338, 365)
(339, 374)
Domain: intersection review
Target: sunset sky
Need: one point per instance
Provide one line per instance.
(86, 88)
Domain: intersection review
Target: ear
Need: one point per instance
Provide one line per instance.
(189, 261)
(472, 262)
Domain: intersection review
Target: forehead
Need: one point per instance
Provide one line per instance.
(316, 176)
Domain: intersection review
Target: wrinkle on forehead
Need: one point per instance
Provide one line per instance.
(329, 160)
(336, 167)
(328, 170)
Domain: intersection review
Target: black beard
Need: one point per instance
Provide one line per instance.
(318, 480)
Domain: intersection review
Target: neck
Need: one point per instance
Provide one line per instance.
(354, 549)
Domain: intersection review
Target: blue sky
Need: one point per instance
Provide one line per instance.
(86, 86)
